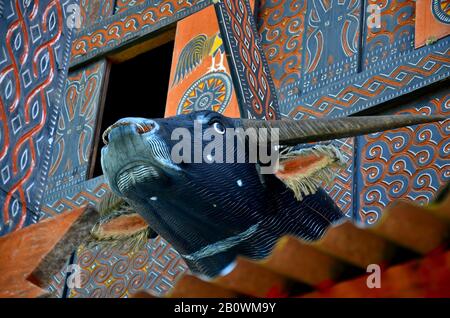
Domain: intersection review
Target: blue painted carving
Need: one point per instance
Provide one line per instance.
(411, 163)
(331, 43)
(76, 127)
(369, 88)
(89, 192)
(252, 81)
(34, 52)
(393, 37)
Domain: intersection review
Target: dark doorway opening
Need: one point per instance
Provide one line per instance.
(137, 88)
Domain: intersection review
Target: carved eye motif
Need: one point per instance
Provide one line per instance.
(219, 128)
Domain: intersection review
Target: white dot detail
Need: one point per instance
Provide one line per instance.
(154, 198)
(239, 182)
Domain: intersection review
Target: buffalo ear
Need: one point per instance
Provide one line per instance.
(305, 169)
(119, 225)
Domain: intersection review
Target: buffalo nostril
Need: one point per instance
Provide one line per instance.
(140, 128)
(108, 130)
(144, 128)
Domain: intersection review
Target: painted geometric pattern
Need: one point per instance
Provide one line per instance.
(392, 36)
(123, 5)
(253, 83)
(309, 44)
(340, 189)
(331, 42)
(411, 163)
(34, 45)
(79, 195)
(112, 273)
(93, 11)
(72, 145)
(384, 82)
(119, 29)
(281, 25)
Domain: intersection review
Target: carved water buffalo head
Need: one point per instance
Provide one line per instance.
(198, 180)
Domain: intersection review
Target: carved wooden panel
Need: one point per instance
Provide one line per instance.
(34, 47)
(410, 163)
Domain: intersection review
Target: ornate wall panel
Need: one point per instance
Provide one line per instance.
(341, 189)
(76, 127)
(380, 84)
(384, 67)
(251, 75)
(410, 163)
(34, 47)
(331, 44)
(310, 44)
(78, 195)
(113, 273)
(393, 36)
(125, 27)
(281, 25)
(110, 273)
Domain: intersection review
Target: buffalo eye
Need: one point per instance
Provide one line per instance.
(219, 128)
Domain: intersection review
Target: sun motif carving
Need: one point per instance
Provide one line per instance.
(210, 92)
(441, 10)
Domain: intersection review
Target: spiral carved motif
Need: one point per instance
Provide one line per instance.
(110, 272)
(281, 25)
(410, 163)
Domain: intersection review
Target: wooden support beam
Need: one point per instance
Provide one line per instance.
(248, 278)
(248, 65)
(356, 246)
(426, 277)
(412, 227)
(302, 262)
(159, 39)
(31, 256)
(193, 287)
